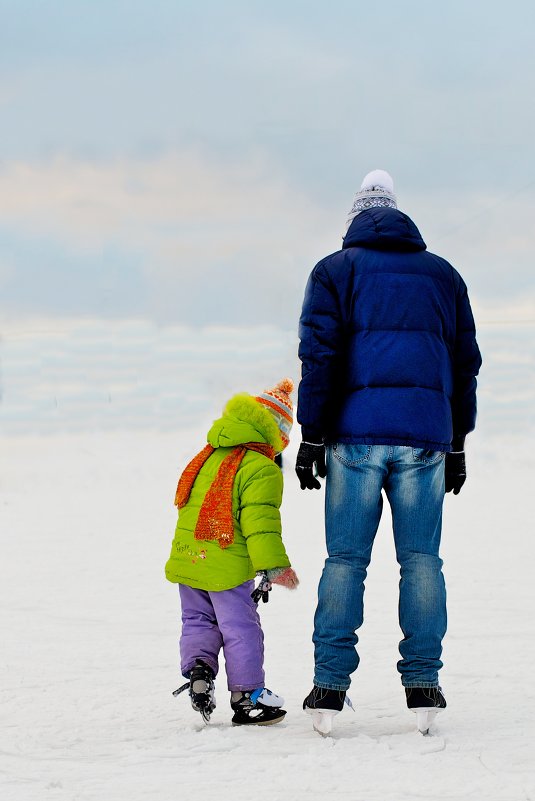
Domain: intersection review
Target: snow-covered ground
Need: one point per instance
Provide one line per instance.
(88, 657)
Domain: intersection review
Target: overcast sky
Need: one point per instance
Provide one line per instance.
(190, 162)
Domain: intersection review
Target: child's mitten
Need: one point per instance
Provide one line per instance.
(285, 576)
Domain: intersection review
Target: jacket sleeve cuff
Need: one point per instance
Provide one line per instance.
(311, 435)
(457, 443)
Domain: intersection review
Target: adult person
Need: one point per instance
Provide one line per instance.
(387, 396)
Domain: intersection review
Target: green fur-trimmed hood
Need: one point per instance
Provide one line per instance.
(244, 420)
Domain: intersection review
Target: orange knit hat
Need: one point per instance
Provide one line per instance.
(279, 403)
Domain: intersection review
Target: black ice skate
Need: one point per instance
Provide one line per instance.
(258, 707)
(323, 705)
(425, 702)
(201, 689)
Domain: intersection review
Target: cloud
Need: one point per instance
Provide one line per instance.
(195, 224)
(206, 240)
(7, 271)
(487, 237)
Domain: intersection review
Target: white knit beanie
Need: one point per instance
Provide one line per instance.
(377, 189)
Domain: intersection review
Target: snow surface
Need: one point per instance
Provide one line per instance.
(89, 625)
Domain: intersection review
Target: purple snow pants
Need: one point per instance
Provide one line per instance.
(227, 619)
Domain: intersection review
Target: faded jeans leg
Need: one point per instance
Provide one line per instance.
(353, 506)
(415, 490)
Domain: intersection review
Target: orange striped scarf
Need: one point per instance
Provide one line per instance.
(215, 521)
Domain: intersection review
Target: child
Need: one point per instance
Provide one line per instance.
(228, 530)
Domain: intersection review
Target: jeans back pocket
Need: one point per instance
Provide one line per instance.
(426, 456)
(351, 454)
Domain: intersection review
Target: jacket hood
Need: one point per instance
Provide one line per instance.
(384, 229)
(244, 420)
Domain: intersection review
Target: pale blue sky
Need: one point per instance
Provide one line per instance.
(190, 162)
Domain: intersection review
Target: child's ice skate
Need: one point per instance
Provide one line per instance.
(201, 689)
(258, 707)
(425, 702)
(322, 705)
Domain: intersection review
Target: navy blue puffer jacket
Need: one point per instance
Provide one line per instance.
(387, 341)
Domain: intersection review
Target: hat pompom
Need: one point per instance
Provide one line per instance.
(378, 179)
(286, 385)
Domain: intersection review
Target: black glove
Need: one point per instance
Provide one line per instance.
(310, 454)
(263, 589)
(455, 470)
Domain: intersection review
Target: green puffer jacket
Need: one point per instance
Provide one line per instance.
(256, 498)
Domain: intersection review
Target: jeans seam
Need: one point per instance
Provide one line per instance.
(424, 684)
(323, 686)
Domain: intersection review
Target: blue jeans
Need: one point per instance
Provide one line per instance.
(413, 481)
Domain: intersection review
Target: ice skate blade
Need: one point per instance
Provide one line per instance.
(424, 718)
(322, 719)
